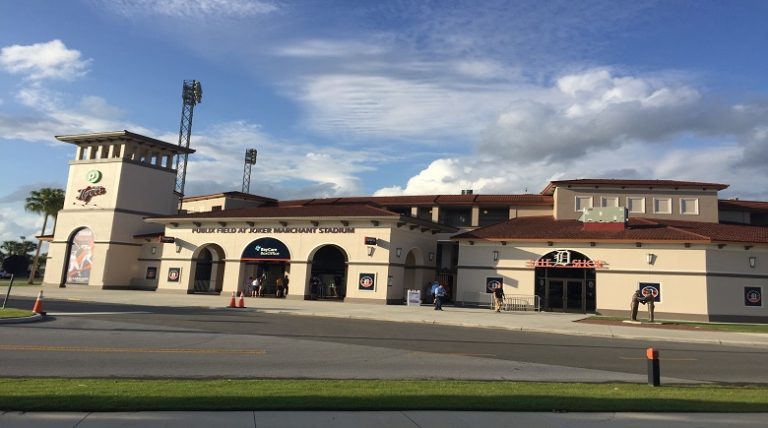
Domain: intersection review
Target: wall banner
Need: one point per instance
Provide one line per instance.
(367, 282)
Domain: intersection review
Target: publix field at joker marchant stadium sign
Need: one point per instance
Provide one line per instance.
(273, 230)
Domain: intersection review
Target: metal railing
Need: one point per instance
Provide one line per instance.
(512, 302)
(518, 302)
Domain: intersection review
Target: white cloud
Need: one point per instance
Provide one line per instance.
(51, 60)
(383, 106)
(330, 49)
(596, 110)
(282, 167)
(193, 8)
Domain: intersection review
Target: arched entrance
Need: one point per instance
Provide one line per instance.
(79, 257)
(563, 283)
(328, 277)
(208, 265)
(267, 259)
(412, 274)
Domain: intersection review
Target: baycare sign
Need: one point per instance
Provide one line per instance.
(565, 259)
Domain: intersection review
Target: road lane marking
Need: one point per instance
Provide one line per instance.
(62, 314)
(129, 350)
(460, 354)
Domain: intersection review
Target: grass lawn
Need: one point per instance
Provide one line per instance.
(289, 394)
(15, 313)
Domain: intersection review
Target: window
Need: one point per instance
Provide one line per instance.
(689, 206)
(609, 201)
(636, 204)
(490, 216)
(583, 202)
(457, 217)
(662, 206)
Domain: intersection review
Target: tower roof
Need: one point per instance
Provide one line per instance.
(105, 137)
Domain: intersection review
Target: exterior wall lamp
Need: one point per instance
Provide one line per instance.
(398, 252)
(153, 250)
(650, 258)
(370, 251)
(431, 256)
(178, 248)
(495, 256)
(752, 261)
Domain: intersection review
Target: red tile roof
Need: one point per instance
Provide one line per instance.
(757, 206)
(545, 228)
(308, 211)
(428, 200)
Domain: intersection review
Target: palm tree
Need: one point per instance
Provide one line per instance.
(17, 248)
(49, 202)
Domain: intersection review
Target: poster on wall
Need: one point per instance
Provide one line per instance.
(151, 272)
(80, 257)
(492, 282)
(651, 288)
(174, 274)
(753, 296)
(367, 281)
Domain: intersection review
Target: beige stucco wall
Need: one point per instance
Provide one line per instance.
(133, 191)
(565, 202)
(302, 247)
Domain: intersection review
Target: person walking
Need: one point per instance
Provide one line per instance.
(498, 297)
(255, 286)
(440, 294)
(285, 285)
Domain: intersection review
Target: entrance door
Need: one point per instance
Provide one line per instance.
(574, 296)
(565, 295)
(555, 291)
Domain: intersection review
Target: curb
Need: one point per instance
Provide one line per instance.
(32, 318)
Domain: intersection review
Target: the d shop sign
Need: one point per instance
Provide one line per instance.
(566, 259)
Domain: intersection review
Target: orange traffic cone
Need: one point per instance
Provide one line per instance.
(38, 307)
(232, 301)
(241, 302)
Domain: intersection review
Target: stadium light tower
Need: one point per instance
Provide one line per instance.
(191, 94)
(250, 160)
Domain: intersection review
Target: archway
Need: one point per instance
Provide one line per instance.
(79, 257)
(269, 260)
(208, 265)
(564, 284)
(412, 274)
(328, 277)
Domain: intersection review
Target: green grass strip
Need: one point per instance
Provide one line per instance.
(288, 394)
(704, 326)
(15, 313)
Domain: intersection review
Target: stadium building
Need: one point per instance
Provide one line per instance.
(577, 246)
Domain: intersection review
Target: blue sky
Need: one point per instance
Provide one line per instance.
(391, 97)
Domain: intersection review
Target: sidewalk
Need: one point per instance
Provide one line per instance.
(404, 419)
(540, 322)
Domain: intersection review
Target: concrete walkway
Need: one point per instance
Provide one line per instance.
(540, 322)
(404, 419)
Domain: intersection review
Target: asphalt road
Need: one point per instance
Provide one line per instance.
(106, 340)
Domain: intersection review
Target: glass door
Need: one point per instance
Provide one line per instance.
(555, 289)
(574, 296)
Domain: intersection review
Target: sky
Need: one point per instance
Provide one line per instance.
(400, 97)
